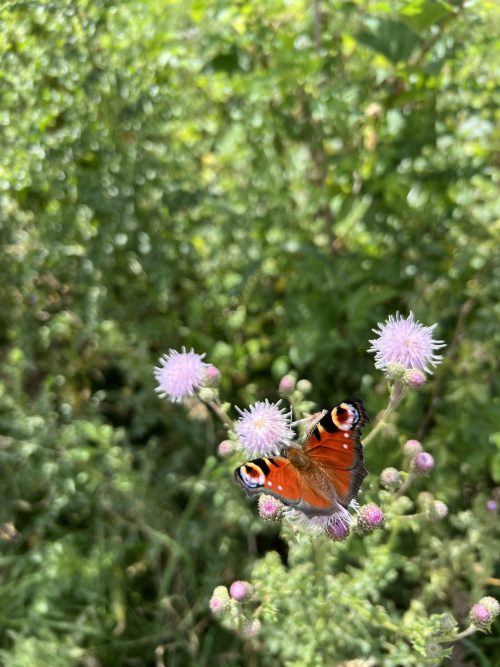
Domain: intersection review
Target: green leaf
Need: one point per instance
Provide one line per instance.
(393, 39)
(419, 15)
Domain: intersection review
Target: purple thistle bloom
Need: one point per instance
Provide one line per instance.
(212, 375)
(179, 375)
(264, 428)
(240, 590)
(491, 505)
(422, 463)
(406, 342)
(338, 531)
(481, 616)
(371, 517)
(270, 508)
(414, 378)
(225, 449)
(412, 448)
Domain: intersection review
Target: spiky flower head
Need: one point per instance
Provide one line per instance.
(240, 590)
(220, 601)
(414, 378)
(412, 448)
(407, 342)
(390, 478)
(370, 517)
(270, 508)
(225, 449)
(324, 523)
(264, 428)
(287, 385)
(338, 531)
(422, 463)
(179, 374)
(492, 604)
(481, 616)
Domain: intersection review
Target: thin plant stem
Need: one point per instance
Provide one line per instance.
(397, 394)
(405, 486)
(217, 409)
(461, 635)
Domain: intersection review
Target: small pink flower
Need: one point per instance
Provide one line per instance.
(370, 517)
(390, 478)
(219, 602)
(491, 604)
(338, 531)
(422, 463)
(481, 616)
(407, 342)
(179, 375)
(287, 385)
(412, 448)
(212, 375)
(225, 449)
(414, 378)
(491, 505)
(263, 429)
(240, 590)
(437, 510)
(270, 508)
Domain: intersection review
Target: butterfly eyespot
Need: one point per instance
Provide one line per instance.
(251, 475)
(345, 416)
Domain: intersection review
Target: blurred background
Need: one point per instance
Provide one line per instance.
(263, 181)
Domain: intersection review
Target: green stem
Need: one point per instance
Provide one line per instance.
(216, 409)
(397, 394)
(405, 486)
(465, 633)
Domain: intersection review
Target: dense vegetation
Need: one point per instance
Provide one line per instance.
(263, 181)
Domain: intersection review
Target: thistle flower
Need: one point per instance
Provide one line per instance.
(370, 517)
(212, 375)
(270, 508)
(225, 449)
(491, 604)
(422, 463)
(406, 342)
(414, 378)
(390, 478)
(287, 385)
(322, 523)
(220, 601)
(179, 375)
(412, 448)
(240, 590)
(480, 616)
(264, 429)
(338, 531)
(437, 510)
(491, 505)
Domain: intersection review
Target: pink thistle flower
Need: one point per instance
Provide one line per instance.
(240, 590)
(491, 604)
(212, 375)
(225, 449)
(270, 508)
(338, 531)
(179, 375)
(422, 463)
(220, 601)
(412, 448)
(481, 616)
(264, 428)
(414, 378)
(406, 342)
(287, 385)
(370, 517)
(491, 505)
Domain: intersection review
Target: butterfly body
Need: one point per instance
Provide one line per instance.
(323, 475)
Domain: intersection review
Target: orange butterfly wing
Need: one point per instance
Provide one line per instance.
(334, 446)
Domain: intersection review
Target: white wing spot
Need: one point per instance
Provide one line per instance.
(346, 435)
(280, 488)
(269, 484)
(345, 446)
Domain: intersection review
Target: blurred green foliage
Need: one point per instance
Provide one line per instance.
(264, 182)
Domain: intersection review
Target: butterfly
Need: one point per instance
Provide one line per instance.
(321, 476)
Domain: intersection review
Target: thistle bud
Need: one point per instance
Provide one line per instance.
(270, 508)
(422, 463)
(370, 517)
(437, 510)
(338, 531)
(492, 604)
(226, 449)
(414, 378)
(220, 601)
(304, 386)
(412, 448)
(287, 385)
(395, 371)
(240, 590)
(212, 376)
(390, 478)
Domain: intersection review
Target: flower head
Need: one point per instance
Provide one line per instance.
(412, 447)
(437, 510)
(492, 604)
(414, 378)
(225, 449)
(264, 428)
(212, 375)
(180, 374)
(270, 508)
(422, 463)
(491, 505)
(370, 517)
(240, 590)
(338, 531)
(287, 385)
(325, 523)
(220, 601)
(407, 342)
(481, 616)
(390, 478)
